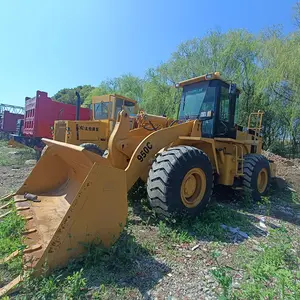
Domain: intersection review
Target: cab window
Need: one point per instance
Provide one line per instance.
(101, 110)
(119, 106)
(236, 113)
(224, 104)
(124, 104)
(130, 107)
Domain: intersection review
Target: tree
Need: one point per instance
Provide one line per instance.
(126, 85)
(69, 95)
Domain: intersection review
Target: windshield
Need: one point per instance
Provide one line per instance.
(192, 99)
(124, 104)
(130, 107)
(101, 110)
(197, 100)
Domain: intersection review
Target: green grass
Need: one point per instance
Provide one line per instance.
(10, 240)
(208, 225)
(21, 155)
(271, 273)
(100, 274)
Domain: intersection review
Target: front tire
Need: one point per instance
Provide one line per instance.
(180, 181)
(257, 175)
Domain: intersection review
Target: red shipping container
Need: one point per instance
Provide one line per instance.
(41, 112)
(9, 121)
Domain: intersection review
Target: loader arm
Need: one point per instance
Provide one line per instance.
(136, 149)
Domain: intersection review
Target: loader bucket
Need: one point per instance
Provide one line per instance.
(77, 198)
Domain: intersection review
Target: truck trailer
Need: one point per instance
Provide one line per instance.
(40, 113)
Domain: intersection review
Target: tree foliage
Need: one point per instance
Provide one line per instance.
(69, 95)
(266, 67)
(126, 85)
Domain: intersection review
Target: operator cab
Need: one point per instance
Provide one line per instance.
(107, 107)
(212, 100)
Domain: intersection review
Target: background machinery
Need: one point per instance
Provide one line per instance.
(40, 113)
(81, 197)
(93, 134)
(9, 116)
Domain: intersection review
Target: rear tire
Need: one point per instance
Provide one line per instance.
(180, 181)
(257, 175)
(92, 148)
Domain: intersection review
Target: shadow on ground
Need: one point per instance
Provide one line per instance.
(126, 268)
(281, 203)
(126, 264)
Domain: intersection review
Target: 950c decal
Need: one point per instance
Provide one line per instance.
(143, 153)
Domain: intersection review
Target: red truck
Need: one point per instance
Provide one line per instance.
(8, 121)
(40, 113)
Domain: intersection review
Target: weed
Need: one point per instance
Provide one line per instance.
(10, 232)
(149, 246)
(295, 198)
(247, 199)
(267, 202)
(271, 273)
(175, 235)
(118, 257)
(40, 288)
(11, 228)
(13, 157)
(74, 286)
(223, 276)
(137, 192)
(54, 286)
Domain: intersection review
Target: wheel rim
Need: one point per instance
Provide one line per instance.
(262, 180)
(193, 187)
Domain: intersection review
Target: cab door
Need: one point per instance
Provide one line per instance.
(225, 112)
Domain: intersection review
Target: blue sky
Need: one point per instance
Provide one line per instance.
(50, 45)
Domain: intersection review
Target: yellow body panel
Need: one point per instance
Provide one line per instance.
(79, 132)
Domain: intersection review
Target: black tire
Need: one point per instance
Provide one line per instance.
(92, 148)
(253, 165)
(167, 174)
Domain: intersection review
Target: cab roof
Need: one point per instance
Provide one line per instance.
(208, 76)
(123, 97)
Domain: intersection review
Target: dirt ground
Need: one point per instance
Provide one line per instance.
(12, 178)
(15, 165)
(287, 169)
(179, 268)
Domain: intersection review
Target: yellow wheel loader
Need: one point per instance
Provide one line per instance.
(93, 135)
(74, 196)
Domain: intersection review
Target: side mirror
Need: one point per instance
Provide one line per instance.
(232, 89)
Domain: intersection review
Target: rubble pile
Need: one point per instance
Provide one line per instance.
(288, 169)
